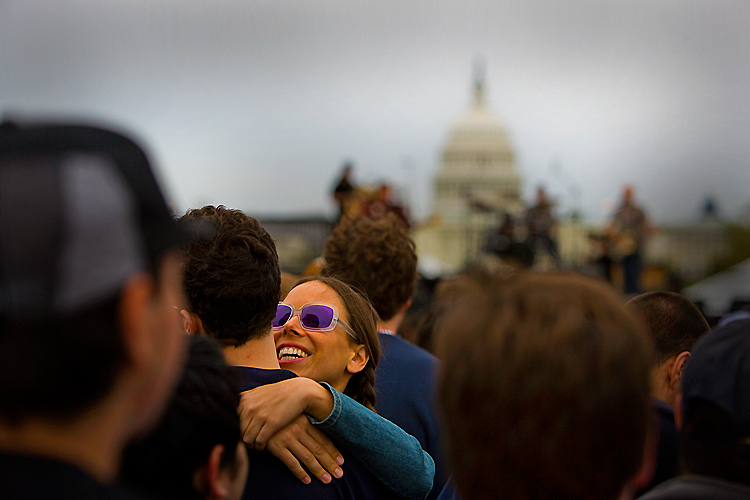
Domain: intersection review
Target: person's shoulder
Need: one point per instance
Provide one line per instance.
(394, 345)
(250, 378)
(734, 322)
(696, 487)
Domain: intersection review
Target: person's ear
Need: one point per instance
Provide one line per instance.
(208, 479)
(191, 323)
(358, 360)
(135, 299)
(677, 370)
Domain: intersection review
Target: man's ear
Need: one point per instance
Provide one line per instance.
(135, 299)
(191, 323)
(407, 304)
(208, 479)
(677, 369)
(358, 360)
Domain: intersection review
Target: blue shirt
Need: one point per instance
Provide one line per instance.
(405, 385)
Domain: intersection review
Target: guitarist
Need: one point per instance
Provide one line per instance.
(628, 230)
(541, 227)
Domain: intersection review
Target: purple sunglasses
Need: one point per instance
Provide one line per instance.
(314, 317)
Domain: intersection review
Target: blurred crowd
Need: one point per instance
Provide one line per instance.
(153, 357)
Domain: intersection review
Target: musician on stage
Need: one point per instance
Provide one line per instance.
(541, 226)
(629, 230)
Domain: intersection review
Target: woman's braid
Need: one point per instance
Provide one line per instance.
(366, 391)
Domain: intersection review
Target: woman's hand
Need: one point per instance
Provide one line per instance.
(301, 442)
(270, 418)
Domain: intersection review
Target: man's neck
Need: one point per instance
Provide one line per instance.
(392, 324)
(256, 353)
(660, 385)
(92, 442)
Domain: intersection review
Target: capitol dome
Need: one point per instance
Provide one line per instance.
(477, 184)
(478, 132)
(478, 164)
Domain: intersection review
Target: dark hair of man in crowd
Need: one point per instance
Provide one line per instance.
(545, 378)
(363, 321)
(672, 320)
(232, 276)
(446, 291)
(705, 444)
(201, 414)
(377, 257)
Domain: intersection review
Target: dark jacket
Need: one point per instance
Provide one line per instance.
(25, 477)
(269, 477)
(669, 440)
(405, 384)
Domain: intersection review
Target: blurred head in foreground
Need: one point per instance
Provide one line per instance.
(90, 343)
(196, 451)
(546, 381)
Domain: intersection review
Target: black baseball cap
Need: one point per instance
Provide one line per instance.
(719, 372)
(80, 213)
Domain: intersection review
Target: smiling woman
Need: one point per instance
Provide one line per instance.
(326, 331)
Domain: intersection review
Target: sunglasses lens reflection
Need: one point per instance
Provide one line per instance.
(283, 313)
(317, 317)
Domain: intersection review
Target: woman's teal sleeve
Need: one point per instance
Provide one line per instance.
(393, 456)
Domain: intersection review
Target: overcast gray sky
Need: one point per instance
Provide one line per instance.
(255, 104)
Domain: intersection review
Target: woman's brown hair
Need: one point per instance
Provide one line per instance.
(363, 320)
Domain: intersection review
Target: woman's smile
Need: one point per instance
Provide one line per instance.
(320, 355)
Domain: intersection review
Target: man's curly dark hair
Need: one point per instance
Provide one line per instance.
(376, 256)
(232, 276)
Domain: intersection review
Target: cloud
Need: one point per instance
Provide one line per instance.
(256, 104)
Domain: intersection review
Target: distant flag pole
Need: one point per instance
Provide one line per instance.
(479, 69)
